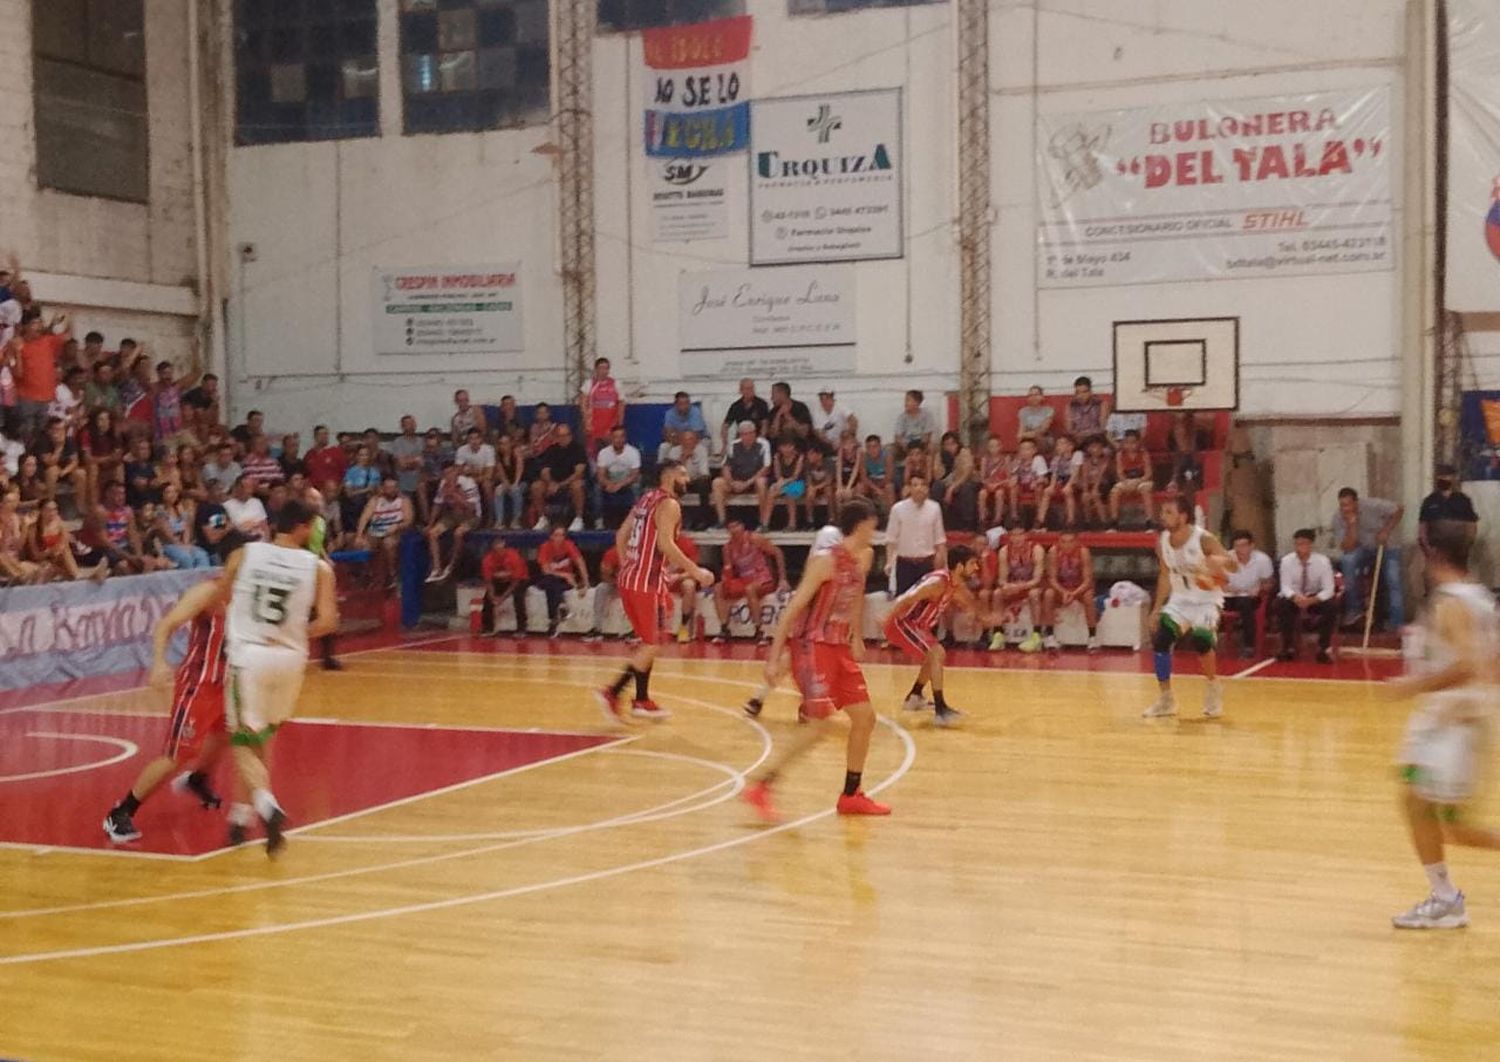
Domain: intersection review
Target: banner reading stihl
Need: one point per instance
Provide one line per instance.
(696, 89)
(1226, 189)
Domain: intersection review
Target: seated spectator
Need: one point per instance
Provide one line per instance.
(917, 461)
(848, 459)
(1360, 528)
(213, 530)
(1028, 481)
(31, 483)
(223, 468)
(995, 484)
(291, 459)
(747, 407)
(877, 474)
(142, 483)
(832, 420)
(786, 484)
(168, 471)
(561, 569)
(1062, 483)
(326, 460)
(15, 568)
(1095, 481)
(1070, 581)
(93, 350)
(559, 488)
(1185, 442)
(1020, 572)
(753, 568)
(336, 533)
(692, 452)
(510, 418)
(456, 511)
(686, 589)
(68, 405)
(1120, 423)
(201, 405)
(1307, 589)
(261, 466)
(465, 416)
(247, 513)
(1254, 578)
(123, 543)
(1132, 477)
(747, 466)
(817, 473)
(11, 453)
(1034, 421)
(101, 392)
(176, 523)
(387, 516)
(505, 574)
(789, 417)
(1086, 412)
(617, 474)
(958, 491)
(1446, 502)
(542, 437)
(191, 471)
(682, 417)
(378, 457)
(605, 593)
(915, 426)
(477, 459)
(361, 481)
(50, 546)
(103, 457)
(61, 462)
(255, 424)
(510, 484)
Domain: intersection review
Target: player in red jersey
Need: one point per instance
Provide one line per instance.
(647, 542)
(915, 614)
(826, 612)
(196, 737)
(1070, 581)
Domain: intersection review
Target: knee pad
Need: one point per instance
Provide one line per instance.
(1165, 637)
(1162, 659)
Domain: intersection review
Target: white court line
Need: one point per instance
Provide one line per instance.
(127, 750)
(1253, 668)
(404, 864)
(483, 897)
(114, 853)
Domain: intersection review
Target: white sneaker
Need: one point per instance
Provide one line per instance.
(542, 525)
(1213, 701)
(1163, 706)
(435, 576)
(1050, 643)
(915, 703)
(1433, 913)
(1093, 646)
(577, 524)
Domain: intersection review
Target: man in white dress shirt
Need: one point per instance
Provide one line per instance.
(1307, 588)
(915, 541)
(1256, 575)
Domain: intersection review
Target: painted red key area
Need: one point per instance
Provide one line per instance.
(57, 784)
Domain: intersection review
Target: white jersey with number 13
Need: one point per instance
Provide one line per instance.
(272, 598)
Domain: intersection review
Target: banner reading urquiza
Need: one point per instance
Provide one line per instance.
(1226, 189)
(696, 88)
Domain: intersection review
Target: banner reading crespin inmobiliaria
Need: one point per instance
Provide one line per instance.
(697, 110)
(1226, 189)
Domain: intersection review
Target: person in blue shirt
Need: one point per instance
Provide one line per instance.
(683, 416)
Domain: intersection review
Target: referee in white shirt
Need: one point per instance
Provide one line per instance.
(1306, 589)
(915, 541)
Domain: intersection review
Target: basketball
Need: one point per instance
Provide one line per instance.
(1208, 579)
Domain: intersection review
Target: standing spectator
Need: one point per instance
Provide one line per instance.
(166, 401)
(786, 482)
(692, 452)
(361, 481)
(68, 404)
(387, 516)
(505, 574)
(93, 349)
(1086, 411)
(1360, 528)
(456, 511)
(748, 407)
(682, 417)
(201, 405)
(1248, 583)
(1034, 421)
(211, 523)
(1132, 477)
(255, 424)
(832, 420)
(510, 484)
(1307, 588)
(141, 484)
(1446, 502)
(562, 569)
(291, 460)
(477, 458)
(747, 467)
(223, 468)
(175, 525)
(325, 461)
(247, 514)
(101, 392)
(562, 479)
(916, 541)
(789, 417)
(36, 370)
(103, 458)
(617, 471)
(60, 462)
(916, 426)
(378, 457)
(406, 456)
(602, 404)
(465, 417)
(259, 463)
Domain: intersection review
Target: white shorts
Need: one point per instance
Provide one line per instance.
(1193, 615)
(1442, 761)
(264, 683)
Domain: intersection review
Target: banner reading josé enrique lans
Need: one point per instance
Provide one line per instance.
(697, 88)
(1226, 189)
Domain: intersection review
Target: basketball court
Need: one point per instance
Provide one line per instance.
(482, 870)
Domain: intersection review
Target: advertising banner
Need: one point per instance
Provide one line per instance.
(1226, 189)
(1474, 157)
(826, 178)
(696, 87)
(689, 199)
(793, 321)
(466, 309)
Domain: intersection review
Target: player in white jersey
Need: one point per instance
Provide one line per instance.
(1455, 654)
(827, 537)
(278, 596)
(1192, 568)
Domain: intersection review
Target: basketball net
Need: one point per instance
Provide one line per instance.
(1173, 396)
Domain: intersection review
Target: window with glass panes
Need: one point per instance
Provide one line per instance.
(646, 14)
(89, 80)
(474, 64)
(306, 70)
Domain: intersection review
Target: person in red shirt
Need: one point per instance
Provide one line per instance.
(325, 461)
(36, 370)
(603, 406)
(505, 572)
(562, 569)
(687, 589)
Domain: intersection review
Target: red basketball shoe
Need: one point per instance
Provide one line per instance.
(648, 709)
(859, 804)
(609, 704)
(758, 796)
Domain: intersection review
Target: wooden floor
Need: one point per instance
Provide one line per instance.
(1061, 880)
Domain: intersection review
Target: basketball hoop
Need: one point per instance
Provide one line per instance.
(1172, 396)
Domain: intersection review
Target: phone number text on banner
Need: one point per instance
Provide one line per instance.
(696, 89)
(1226, 189)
